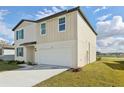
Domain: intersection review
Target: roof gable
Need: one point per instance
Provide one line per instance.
(23, 23)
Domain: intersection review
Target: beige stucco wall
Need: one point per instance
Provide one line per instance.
(52, 33)
(68, 49)
(85, 36)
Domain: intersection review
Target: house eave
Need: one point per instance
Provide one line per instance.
(28, 43)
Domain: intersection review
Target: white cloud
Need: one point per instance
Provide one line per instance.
(110, 35)
(88, 7)
(43, 13)
(26, 16)
(114, 27)
(105, 42)
(55, 9)
(99, 9)
(102, 18)
(3, 13)
(63, 7)
(5, 32)
(46, 12)
(111, 44)
(2, 39)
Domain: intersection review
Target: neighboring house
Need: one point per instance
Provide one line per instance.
(65, 39)
(7, 52)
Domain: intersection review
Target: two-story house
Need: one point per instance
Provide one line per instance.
(65, 39)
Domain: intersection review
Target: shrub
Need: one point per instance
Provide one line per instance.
(30, 63)
(11, 62)
(15, 62)
(20, 62)
(1, 60)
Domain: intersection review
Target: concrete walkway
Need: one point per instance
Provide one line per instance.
(29, 77)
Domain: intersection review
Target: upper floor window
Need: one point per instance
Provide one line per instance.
(43, 28)
(20, 51)
(62, 24)
(20, 34)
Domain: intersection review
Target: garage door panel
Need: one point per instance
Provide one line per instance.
(56, 56)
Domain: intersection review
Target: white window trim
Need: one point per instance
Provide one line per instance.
(65, 24)
(22, 54)
(18, 31)
(46, 29)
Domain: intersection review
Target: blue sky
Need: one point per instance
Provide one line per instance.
(107, 22)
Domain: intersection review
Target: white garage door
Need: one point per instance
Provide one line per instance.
(58, 56)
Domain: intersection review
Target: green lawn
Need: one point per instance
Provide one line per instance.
(4, 66)
(109, 71)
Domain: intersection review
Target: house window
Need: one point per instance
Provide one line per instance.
(62, 24)
(20, 34)
(16, 35)
(20, 51)
(43, 28)
(1, 52)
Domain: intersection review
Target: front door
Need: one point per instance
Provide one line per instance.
(30, 54)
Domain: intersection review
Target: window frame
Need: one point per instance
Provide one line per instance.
(45, 29)
(17, 35)
(20, 34)
(59, 24)
(19, 51)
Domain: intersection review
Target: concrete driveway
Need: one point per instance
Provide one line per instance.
(29, 75)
